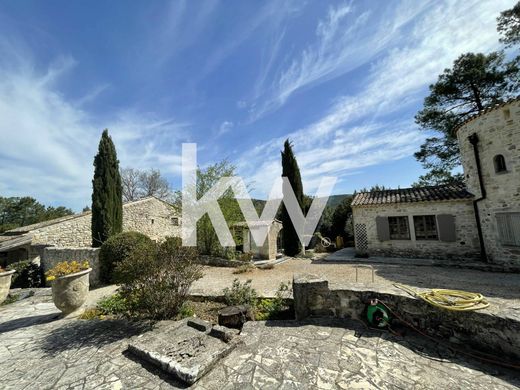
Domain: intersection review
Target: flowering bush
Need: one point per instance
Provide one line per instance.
(65, 268)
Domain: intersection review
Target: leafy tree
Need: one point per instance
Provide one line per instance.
(439, 177)
(474, 82)
(291, 242)
(107, 203)
(207, 239)
(509, 25)
(22, 211)
(325, 224)
(339, 218)
(138, 184)
(375, 187)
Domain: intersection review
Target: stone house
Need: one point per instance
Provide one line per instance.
(434, 222)
(481, 220)
(269, 249)
(151, 216)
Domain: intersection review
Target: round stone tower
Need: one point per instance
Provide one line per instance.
(490, 152)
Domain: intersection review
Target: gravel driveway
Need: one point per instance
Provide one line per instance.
(266, 282)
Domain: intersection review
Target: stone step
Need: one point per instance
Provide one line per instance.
(186, 349)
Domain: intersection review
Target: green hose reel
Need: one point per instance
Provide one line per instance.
(377, 314)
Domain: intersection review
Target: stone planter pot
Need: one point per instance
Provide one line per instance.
(69, 292)
(5, 284)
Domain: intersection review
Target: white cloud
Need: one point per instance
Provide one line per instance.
(47, 143)
(344, 41)
(356, 132)
(225, 127)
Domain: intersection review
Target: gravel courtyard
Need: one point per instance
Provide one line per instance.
(491, 284)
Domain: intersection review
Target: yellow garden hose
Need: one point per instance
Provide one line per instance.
(456, 300)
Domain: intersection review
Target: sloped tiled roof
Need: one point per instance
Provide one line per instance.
(412, 195)
(10, 242)
(485, 111)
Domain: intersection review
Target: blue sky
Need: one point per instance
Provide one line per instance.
(341, 79)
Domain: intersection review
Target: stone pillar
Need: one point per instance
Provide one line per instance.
(308, 291)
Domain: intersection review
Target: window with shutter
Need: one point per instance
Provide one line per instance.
(446, 227)
(399, 229)
(509, 228)
(425, 227)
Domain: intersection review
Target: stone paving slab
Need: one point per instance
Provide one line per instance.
(339, 354)
(39, 350)
(186, 352)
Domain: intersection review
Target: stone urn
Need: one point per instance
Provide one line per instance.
(70, 292)
(5, 284)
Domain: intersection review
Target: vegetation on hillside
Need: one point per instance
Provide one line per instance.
(22, 211)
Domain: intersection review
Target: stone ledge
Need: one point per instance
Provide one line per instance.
(495, 330)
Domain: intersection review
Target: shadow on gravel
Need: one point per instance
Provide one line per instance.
(84, 333)
(25, 322)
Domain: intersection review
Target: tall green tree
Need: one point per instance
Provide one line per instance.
(508, 25)
(291, 242)
(474, 82)
(107, 202)
(339, 218)
(21, 211)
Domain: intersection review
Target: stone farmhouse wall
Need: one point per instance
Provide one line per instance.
(51, 256)
(149, 216)
(465, 245)
(499, 134)
(485, 330)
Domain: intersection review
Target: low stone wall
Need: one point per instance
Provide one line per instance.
(485, 330)
(53, 255)
(219, 262)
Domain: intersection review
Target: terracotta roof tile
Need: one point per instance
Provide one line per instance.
(411, 195)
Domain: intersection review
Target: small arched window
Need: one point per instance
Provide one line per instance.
(500, 163)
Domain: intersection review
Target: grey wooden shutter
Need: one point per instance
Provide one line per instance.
(446, 227)
(383, 230)
(509, 228)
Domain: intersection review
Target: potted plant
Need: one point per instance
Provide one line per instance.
(5, 283)
(70, 284)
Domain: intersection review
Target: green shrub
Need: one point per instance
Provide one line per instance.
(185, 311)
(157, 287)
(271, 308)
(114, 304)
(91, 314)
(118, 248)
(27, 275)
(240, 294)
(247, 256)
(11, 298)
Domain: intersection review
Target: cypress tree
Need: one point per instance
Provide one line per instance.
(291, 242)
(107, 201)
